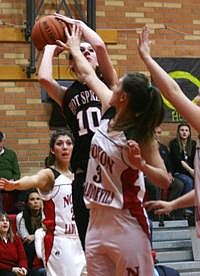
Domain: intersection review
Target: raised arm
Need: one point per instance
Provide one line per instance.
(45, 75)
(43, 180)
(84, 70)
(168, 87)
(104, 61)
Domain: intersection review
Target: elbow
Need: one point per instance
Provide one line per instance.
(100, 49)
(44, 81)
(87, 76)
(165, 183)
(98, 44)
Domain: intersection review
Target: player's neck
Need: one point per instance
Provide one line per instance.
(62, 169)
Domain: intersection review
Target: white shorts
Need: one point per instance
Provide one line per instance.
(116, 244)
(64, 256)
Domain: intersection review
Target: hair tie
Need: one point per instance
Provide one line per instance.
(150, 88)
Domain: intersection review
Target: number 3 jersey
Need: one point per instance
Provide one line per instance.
(82, 110)
(111, 181)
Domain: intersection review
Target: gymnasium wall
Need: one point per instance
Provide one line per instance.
(24, 118)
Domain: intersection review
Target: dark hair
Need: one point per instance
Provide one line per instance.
(2, 136)
(146, 103)
(27, 214)
(188, 147)
(50, 159)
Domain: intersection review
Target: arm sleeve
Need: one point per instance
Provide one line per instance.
(15, 167)
(39, 236)
(22, 259)
(21, 227)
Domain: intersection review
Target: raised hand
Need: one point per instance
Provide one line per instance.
(144, 43)
(73, 37)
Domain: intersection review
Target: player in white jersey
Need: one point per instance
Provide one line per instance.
(61, 249)
(122, 149)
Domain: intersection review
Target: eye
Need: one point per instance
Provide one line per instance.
(82, 49)
(59, 143)
(69, 143)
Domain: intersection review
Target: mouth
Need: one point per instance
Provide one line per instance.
(65, 155)
(5, 227)
(88, 58)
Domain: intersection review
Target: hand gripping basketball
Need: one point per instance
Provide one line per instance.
(47, 30)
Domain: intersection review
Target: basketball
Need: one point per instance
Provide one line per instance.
(47, 30)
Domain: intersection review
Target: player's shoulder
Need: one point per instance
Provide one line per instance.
(109, 113)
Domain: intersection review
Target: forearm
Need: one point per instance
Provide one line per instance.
(172, 92)
(21, 227)
(190, 170)
(168, 87)
(157, 176)
(91, 36)
(46, 64)
(187, 168)
(83, 67)
(25, 183)
(104, 61)
(184, 201)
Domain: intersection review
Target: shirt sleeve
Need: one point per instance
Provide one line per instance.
(21, 227)
(15, 167)
(22, 259)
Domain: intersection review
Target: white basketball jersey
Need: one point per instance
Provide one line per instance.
(111, 180)
(58, 208)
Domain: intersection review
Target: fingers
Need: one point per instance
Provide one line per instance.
(161, 211)
(131, 143)
(146, 32)
(154, 204)
(7, 185)
(133, 146)
(160, 207)
(149, 205)
(2, 183)
(74, 30)
(143, 37)
(73, 35)
(64, 18)
(61, 44)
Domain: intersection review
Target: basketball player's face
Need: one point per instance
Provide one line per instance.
(63, 148)
(89, 53)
